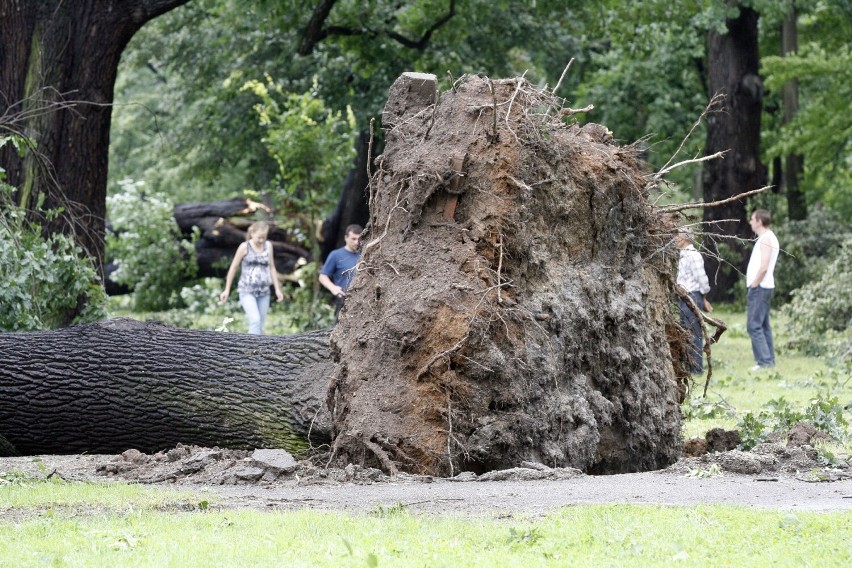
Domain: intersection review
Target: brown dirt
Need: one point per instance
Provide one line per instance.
(513, 298)
(772, 475)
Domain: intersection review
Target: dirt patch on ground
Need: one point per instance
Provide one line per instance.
(785, 474)
(774, 476)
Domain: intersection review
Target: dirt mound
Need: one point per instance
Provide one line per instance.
(788, 453)
(512, 303)
(196, 465)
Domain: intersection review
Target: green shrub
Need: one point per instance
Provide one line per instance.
(153, 258)
(825, 412)
(808, 246)
(44, 277)
(820, 314)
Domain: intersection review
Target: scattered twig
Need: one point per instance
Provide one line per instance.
(518, 85)
(493, 138)
(714, 102)
(564, 72)
(708, 339)
(434, 113)
(450, 433)
(674, 208)
(499, 268)
(572, 111)
(370, 187)
(452, 81)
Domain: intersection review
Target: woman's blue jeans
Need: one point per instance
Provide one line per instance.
(256, 308)
(757, 323)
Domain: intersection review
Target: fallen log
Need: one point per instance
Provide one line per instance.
(119, 384)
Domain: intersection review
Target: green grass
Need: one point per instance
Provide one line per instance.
(609, 535)
(736, 390)
(21, 493)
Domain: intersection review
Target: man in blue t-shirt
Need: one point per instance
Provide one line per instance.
(339, 268)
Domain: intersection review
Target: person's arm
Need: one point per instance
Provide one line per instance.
(331, 286)
(273, 274)
(232, 271)
(765, 255)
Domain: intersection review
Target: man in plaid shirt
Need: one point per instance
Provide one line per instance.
(692, 278)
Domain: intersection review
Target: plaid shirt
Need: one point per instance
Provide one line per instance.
(690, 271)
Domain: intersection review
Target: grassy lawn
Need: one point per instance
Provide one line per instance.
(64, 524)
(735, 390)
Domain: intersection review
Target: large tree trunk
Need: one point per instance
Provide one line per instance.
(352, 207)
(735, 128)
(512, 301)
(119, 384)
(797, 206)
(58, 63)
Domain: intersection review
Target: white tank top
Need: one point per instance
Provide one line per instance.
(754, 262)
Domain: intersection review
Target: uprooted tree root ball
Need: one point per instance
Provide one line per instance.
(513, 298)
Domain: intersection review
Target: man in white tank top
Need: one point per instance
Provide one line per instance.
(760, 281)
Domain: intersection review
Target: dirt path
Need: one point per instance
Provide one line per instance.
(513, 498)
(242, 479)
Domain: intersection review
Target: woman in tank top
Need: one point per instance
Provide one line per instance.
(257, 274)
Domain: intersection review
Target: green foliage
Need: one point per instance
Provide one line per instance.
(703, 409)
(44, 276)
(821, 131)
(153, 258)
(825, 413)
(312, 145)
(820, 313)
(808, 247)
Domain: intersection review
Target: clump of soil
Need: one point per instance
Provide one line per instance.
(789, 453)
(513, 299)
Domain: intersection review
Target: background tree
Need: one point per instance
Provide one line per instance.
(65, 54)
(733, 129)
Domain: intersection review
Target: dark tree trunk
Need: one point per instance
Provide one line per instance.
(58, 64)
(797, 206)
(733, 68)
(120, 384)
(512, 302)
(353, 205)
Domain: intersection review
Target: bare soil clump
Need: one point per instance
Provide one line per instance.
(195, 465)
(512, 303)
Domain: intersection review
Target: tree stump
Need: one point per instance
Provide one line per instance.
(512, 298)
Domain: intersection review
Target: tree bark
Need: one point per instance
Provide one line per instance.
(120, 384)
(58, 64)
(353, 205)
(735, 128)
(797, 206)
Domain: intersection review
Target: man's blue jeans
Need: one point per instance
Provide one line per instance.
(693, 325)
(255, 308)
(757, 323)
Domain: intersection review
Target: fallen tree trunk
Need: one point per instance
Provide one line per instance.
(513, 297)
(119, 384)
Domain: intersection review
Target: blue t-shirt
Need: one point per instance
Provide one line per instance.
(340, 266)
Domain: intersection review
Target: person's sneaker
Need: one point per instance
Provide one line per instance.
(756, 368)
